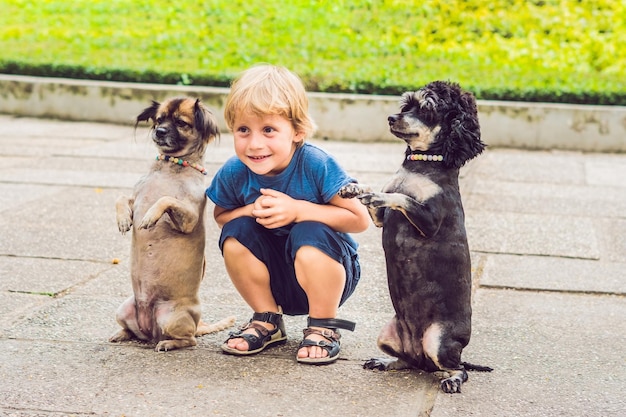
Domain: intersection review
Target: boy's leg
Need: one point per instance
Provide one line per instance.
(250, 277)
(323, 280)
(327, 269)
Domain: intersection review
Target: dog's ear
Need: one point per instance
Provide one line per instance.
(148, 113)
(462, 137)
(204, 121)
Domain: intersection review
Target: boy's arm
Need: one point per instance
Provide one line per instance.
(345, 215)
(223, 216)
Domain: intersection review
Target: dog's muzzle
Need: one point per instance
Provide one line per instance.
(166, 138)
(393, 118)
(161, 132)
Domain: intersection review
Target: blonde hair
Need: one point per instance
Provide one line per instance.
(270, 90)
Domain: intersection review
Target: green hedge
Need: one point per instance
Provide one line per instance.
(547, 51)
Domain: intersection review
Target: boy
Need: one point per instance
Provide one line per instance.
(284, 228)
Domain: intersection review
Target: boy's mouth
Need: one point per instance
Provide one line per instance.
(258, 158)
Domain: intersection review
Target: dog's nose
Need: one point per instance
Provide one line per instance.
(392, 119)
(160, 132)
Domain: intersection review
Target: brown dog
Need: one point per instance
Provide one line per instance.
(166, 213)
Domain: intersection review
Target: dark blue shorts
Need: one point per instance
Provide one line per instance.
(277, 250)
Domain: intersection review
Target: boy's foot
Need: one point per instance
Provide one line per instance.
(319, 346)
(321, 341)
(262, 331)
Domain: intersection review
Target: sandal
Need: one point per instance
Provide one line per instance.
(263, 337)
(332, 345)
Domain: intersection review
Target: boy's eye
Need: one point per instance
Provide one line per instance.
(242, 129)
(268, 129)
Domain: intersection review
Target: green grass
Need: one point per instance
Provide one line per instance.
(546, 50)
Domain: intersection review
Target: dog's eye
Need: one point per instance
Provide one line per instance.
(159, 119)
(182, 123)
(428, 117)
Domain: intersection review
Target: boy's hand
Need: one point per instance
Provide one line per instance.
(274, 209)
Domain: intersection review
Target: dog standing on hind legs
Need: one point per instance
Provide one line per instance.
(166, 213)
(424, 239)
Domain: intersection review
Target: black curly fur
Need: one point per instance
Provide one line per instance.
(455, 111)
(424, 238)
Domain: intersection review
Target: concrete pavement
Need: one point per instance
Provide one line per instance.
(547, 231)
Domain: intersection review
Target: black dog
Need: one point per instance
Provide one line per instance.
(424, 239)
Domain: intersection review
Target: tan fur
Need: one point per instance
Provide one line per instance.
(166, 213)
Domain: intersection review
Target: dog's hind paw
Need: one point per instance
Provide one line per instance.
(353, 190)
(381, 364)
(452, 385)
(172, 344)
(121, 336)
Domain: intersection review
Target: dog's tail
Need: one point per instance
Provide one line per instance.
(206, 328)
(480, 368)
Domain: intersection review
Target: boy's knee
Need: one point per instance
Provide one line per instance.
(239, 229)
(232, 246)
(311, 255)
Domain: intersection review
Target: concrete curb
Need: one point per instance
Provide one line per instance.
(339, 116)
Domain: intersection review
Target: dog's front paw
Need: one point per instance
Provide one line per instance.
(124, 214)
(151, 218)
(372, 200)
(352, 190)
(124, 224)
(147, 223)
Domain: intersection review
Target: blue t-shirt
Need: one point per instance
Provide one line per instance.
(312, 175)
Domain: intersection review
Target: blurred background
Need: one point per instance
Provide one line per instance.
(543, 51)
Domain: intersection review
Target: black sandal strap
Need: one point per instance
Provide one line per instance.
(321, 343)
(326, 333)
(268, 317)
(330, 344)
(331, 323)
(260, 330)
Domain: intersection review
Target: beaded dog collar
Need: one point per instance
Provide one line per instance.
(424, 157)
(181, 162)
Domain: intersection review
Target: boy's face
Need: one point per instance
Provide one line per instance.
(265, 144)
